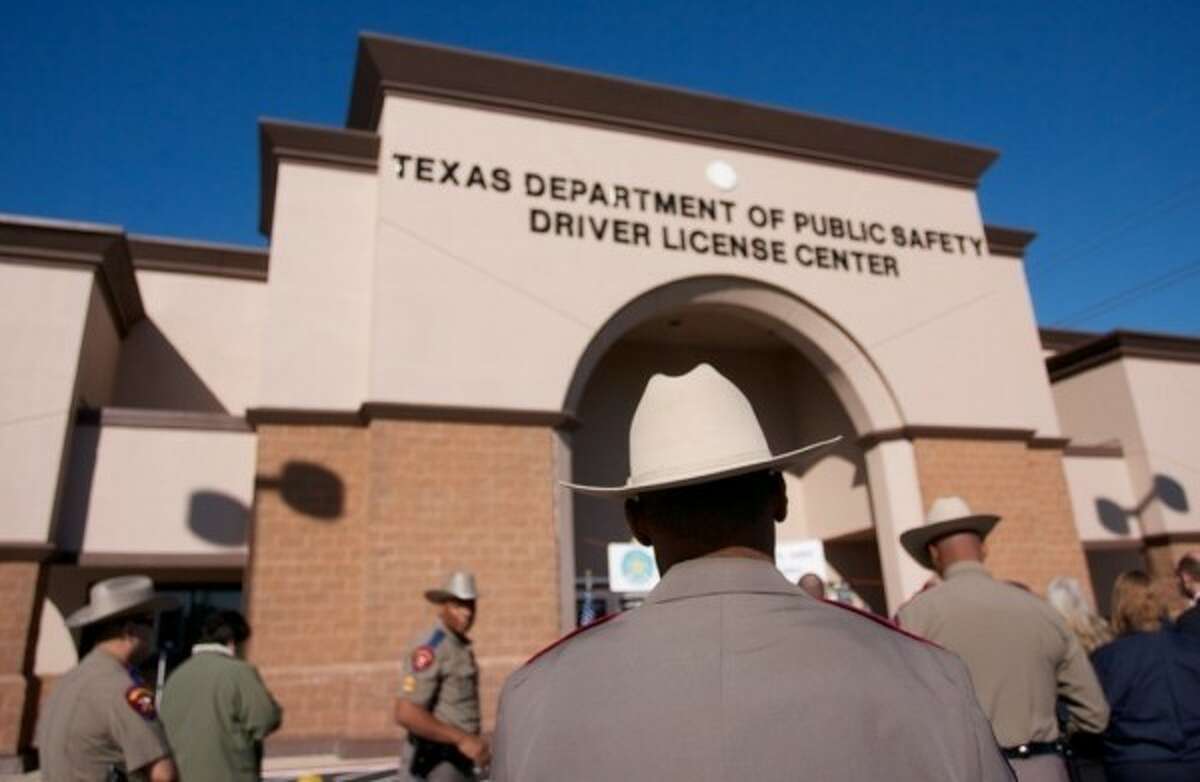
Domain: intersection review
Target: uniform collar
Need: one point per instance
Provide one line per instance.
(450, 635)
(216, 648)
(720, 575)
(959, 569)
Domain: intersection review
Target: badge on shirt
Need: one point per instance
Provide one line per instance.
(141, 700)
(422, 658)
(409, 685)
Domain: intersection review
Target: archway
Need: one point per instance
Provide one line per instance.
(807, 379)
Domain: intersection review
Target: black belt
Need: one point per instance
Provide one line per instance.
(1033, 749)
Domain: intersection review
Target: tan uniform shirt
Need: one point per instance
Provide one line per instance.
(97, 717)
(729, 671)
(440, 675)
(1020, 653)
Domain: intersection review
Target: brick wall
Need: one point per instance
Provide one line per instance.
(334, 600)
(1036, 538)
(19, 596)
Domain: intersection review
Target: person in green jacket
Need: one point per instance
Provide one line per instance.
(216, 709)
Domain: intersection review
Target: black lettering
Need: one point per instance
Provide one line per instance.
(890, 266)
(898, 236)
(641, 234)
(839, 260)
(687, 205)
(501, 180)
(836, 228)
(449, 172)
(539, 221)
(401, 160)
(425, 169)
(737, 246)
(698, 241)
(757, 216)
(878, 235)
(664, 203)
(978, 243)
(564, 224)
(578, 188)
(804, 255)
(642, 194)
(535, 186)
(758, 246)
(778, 251)
(621, 196)
(728, 207)
(707, 209)
(598, 195)
(558, 188)
(476, 178)
(599, 226)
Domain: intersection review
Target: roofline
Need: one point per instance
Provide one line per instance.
(1060, 340)
(101, 248)
(185, 256)
(388, 65)
(1119, 344)
(1011, 242)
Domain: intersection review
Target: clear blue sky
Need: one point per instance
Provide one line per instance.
(144, 114)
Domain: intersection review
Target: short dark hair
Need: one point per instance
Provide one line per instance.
(222, 627)
(713, 512)
(1189, 565)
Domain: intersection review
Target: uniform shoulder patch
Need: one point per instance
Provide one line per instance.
(879, 620)
(422, 658)
(572, 634)
(141, 700)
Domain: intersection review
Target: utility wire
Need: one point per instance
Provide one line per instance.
(1133, 293)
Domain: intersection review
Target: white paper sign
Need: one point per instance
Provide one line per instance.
(631, 568)
(794, 558)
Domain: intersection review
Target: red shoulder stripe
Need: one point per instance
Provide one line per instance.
(574, 633)
(879, 620)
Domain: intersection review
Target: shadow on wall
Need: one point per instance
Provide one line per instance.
(309, 489)
(153, 374)
(1167, 490)
(218, 518)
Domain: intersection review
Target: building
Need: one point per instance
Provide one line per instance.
(465, 289)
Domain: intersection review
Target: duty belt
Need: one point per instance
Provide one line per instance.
(1032, 749)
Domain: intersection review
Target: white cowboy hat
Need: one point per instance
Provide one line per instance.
(694, 428)
(947, 516)
(460, 585)
(120, 596)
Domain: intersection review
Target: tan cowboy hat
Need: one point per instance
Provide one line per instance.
(947, 516)
(460, 585)
(120, 596)
(694, 428)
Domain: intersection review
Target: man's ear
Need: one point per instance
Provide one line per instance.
(935, 556)
(779, 500)
(637, 521)
(983, 550)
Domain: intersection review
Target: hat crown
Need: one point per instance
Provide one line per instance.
(461, 584)
(688, 422)
(120, 590)
(947, 508)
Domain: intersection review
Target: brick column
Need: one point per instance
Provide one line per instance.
(335, 601)
(21, 590)
(1026, 486)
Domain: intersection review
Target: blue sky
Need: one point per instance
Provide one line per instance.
(144, 114)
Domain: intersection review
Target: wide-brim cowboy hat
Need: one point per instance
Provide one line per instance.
(121, 596)
(460, 585)
(695, 428)
(947, 516)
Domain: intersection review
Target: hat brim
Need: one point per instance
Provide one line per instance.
(88, 615)
(441, 596)
(703, 476)
(916, 541)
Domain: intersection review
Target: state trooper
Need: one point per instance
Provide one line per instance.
(438, 702)
(1021, 655)
(728, 670)
(99, 722)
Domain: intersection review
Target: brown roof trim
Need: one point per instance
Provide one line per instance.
(1122, 344)
(1011, 242)
(156, 253)
(23, 551)
(945, 433)
(1123, 544)
(1059, 340)
(99, 247)
(139, 560)
(292, 416)
(1049, 443)
(470, 415)
(1096, 450)
(340, 746)
(1167, 538)
(317, 144)
(395, 65)
(391, 411)
(146, 418)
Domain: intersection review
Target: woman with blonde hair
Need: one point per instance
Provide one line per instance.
(1149, 677)
(1065, 594)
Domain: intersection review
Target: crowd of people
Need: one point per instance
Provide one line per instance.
(726, 671)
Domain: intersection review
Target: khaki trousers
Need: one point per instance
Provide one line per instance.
(1043, 768)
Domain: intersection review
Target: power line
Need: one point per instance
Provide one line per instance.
(1123, 297)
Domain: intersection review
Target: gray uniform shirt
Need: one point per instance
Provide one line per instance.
(1018, 649)
(440, 675)
(97, 717)
(729, 671)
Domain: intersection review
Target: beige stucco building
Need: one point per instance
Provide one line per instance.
(464, 291)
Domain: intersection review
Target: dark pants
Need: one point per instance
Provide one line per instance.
(458, 769)
(1153, 772)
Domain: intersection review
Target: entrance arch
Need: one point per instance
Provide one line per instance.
(807, 378)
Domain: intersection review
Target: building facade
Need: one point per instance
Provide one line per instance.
(464, 292)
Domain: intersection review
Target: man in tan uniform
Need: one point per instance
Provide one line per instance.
(438, 702)
(1020, 654)
(729, 671)
(99, 720)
